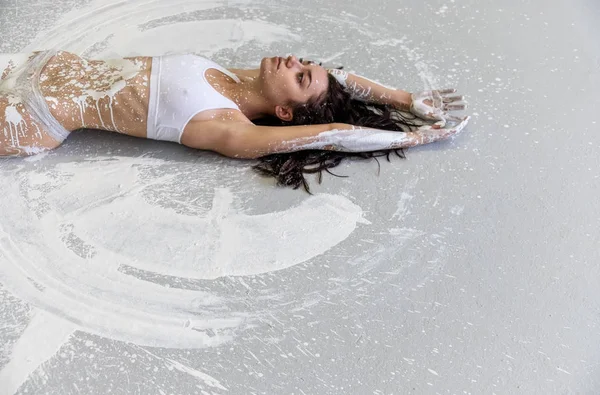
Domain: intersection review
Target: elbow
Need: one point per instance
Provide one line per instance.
(230, 139)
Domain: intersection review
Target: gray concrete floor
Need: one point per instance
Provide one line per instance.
(477, 272)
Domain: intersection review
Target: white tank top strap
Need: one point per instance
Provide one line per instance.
(225, 71)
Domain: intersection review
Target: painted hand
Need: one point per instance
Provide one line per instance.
(434, 105)
(435, 132)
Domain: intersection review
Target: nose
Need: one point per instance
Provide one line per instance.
(291, 61)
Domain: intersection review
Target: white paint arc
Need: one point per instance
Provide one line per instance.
(96, 221)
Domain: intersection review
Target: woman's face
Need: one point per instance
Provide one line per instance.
(286, 81)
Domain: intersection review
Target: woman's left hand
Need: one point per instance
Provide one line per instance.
(434, 105)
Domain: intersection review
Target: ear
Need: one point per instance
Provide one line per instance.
(284, 113)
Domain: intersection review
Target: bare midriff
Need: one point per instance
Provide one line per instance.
(109, 94)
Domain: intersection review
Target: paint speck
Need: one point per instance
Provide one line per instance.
(433, 372)
(562, 370)
(457, 210)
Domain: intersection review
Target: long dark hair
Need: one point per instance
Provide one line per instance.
(337, 106)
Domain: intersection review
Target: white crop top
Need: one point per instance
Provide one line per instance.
(178, 91)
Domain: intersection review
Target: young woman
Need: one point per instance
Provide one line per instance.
(295, 116)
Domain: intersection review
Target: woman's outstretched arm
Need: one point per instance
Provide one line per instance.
(432, 105)
(249, 141)
(364, 89)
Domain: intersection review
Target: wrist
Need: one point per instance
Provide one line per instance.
(340, 126)
(402, 100)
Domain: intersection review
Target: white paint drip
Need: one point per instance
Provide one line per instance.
(102, 82)
(15, 121)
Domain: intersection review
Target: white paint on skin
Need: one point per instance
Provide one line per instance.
(15, 123)
(356, 90)
(352, 140)
(107, 80)
(340, 75)
(358, 139)
(21, 87)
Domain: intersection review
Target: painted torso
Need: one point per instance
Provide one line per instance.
(98, 94)
(111, 94)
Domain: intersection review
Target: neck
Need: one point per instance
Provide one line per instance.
(247, 94)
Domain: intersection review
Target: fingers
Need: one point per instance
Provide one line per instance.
(451, 131)
(444, 129)
(447, 99)
(446, 91)
(455, 107)
(452, 99)
(465, 121)
(441, 99)
(442, 92)
(439, 124)
(450, 102)
(453, 118)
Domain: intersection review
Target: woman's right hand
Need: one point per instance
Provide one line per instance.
(430, 133)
